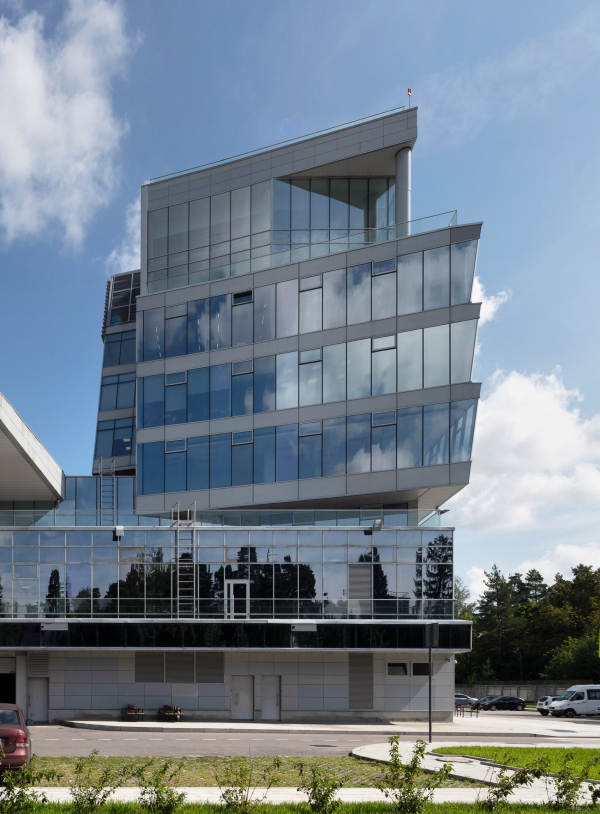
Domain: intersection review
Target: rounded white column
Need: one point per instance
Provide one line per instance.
(403, 182)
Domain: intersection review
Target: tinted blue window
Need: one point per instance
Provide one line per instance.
(86, 494)
(264, 384)
(220, 322)
(126, 393)
(309, 457)
(220, 460)
(108, 396)
(154, 334)
(112, 350)
(358, 443)
(197, 463)
(123, 441)
(220, 391)
(198, 322)
(175, 404)
(286, 457)
(264, 455)
(198, 395)
(175, 467)
(176, 336)
(241, 394)
(334, 446)
(409, 437)
(124, 493)
(153, 405)
(153, 468)
(128, 348)
(242, 318)
(436, 434)
(241, 464)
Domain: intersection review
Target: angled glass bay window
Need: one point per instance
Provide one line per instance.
(198, 400)
(199, 223)
(287, 308)
(410, 361)
(198, 326)
(286, 453)
(410, 437)
(287, 380)
(154, 334)
(264, 313)
(436, 278)
(264, 455)
(359, 369)
(410, 283)
(463, 257)
(358, 444)
(436, 434)
(436, 356)
(220, 322)
(334, 299)
(197, 463)
(358, 282)
(462, 425)
(334, 373)
(158, 232)
(264, 384)
(462, 347)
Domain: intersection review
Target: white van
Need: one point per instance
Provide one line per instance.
(581, 699)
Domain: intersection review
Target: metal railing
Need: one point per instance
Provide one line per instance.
(354, 240)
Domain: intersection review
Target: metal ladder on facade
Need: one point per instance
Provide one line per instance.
(108, 506)
(183, 522)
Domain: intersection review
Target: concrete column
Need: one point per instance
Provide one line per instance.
(21, 684)
(403, 182)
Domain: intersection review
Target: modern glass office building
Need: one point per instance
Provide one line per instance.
(285, 406)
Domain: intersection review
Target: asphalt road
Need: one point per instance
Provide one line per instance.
(50, 740)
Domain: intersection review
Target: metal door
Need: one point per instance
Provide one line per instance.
(242, 698)
(271, 698)
(37, 703)
(237, 598)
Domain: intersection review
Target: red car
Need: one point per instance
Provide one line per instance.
(14, 737)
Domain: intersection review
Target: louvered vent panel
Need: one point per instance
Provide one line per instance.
(210, 668)
(37, 665)
(150, 668)
(179, 668)
(7, 665)
(360, 679)
(360, 581)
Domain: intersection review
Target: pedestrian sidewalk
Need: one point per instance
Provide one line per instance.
(464, 768)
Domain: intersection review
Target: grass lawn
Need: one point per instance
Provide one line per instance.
(525, 755)
(200, 771)
(303, 808)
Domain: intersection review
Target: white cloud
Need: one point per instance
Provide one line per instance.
(127, 256)
(561, 559)
(489, 305)
(536, 459)
(456, 106)
(60, 136)
(475, 581)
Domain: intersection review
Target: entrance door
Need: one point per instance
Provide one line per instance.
(271, 698)
(38, 700)
(237, 598)
(242, 698)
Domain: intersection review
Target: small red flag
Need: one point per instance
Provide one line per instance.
(410, 91)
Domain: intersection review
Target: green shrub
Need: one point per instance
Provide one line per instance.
(321, 785)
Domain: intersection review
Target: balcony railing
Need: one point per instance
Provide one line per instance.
(351, 518)
(283, 257)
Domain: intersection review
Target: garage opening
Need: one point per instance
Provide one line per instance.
(8, 691)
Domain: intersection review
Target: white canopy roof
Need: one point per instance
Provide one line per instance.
(27, 470)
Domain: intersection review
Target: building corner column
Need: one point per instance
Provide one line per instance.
(403, 185)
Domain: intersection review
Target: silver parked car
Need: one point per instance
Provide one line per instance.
(544, 702)
(462, 700)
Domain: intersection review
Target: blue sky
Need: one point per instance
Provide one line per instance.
(97, 97)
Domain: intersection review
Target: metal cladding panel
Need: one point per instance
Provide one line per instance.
(360, 680)
(149, 668)
(179, 668)
(210, 668)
